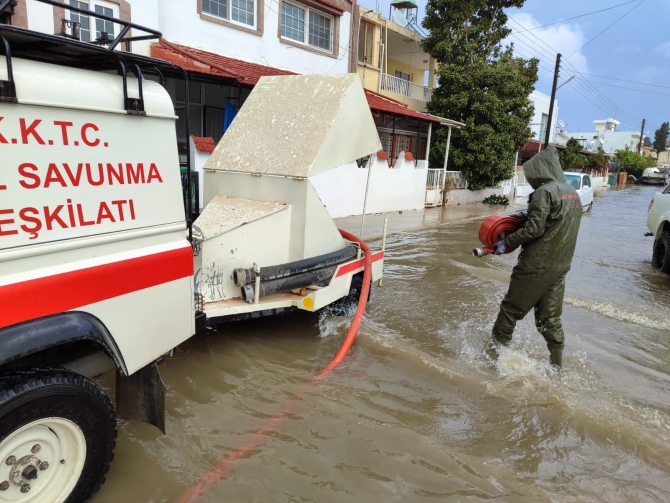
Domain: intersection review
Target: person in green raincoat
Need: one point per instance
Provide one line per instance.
(547, 239)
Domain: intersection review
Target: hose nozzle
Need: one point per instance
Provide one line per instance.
(481, 252)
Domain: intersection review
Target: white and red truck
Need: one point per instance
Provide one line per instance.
(99, 266)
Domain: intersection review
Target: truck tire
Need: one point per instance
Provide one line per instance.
(57, 436)
(661, 256)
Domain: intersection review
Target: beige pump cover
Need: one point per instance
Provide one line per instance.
(299, 126)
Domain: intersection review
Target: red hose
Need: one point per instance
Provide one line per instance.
(255, 440)
(493, 229)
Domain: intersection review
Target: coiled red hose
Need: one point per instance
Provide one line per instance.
(493, 229)
(255, 440)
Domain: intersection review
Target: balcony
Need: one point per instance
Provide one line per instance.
(405, 88)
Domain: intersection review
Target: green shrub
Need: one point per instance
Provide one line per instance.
(494, 199)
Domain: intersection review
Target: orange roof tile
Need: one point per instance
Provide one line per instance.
(204, 143)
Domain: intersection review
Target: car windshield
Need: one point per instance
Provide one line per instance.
(575, 181)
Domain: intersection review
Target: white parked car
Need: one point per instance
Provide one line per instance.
(582, 184)
(658, 222)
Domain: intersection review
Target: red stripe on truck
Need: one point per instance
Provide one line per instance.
(70, 290)
(351, 267)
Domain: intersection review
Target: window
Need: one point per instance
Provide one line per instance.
(238, 11)
(84, 21)
(543, 127)
(586, 181)
(307, 26)
(101, 25)
(574, 181)
(403, 75)
(366, 35)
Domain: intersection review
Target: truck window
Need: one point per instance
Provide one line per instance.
(587, 181)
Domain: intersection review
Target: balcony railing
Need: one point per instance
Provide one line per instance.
(405, 88)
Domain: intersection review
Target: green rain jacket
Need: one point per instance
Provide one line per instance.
(549, 236)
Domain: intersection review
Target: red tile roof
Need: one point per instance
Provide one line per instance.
(209, 63)
(204, 143)
(391, 106)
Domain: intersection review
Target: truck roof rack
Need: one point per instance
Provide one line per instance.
(101, 55)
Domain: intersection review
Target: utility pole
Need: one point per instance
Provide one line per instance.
(639, 144)
(553, 98)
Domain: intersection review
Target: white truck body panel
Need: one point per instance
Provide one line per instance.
(91, 212)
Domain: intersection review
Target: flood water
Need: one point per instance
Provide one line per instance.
(417, 412)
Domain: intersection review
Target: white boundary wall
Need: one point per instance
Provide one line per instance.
(401, 188)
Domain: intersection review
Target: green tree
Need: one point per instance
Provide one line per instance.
(482, 84)
(598, 161)
(572, 156)
(661, 137)
(647, 142)
(632, 162)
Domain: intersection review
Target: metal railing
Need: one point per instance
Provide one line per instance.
(456, 180)
(435, 179)
(405, 88)
(434, 187)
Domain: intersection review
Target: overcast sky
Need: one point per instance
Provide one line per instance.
(636, 48)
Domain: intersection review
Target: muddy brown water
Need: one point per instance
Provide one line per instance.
(417, 412)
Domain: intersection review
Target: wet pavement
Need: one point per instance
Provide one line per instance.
(417, 412)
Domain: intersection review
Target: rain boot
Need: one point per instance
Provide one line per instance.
(556, 356)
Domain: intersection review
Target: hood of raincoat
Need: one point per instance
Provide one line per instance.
(544, 168)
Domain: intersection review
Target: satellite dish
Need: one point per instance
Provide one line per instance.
(400, 18)
(561, 123)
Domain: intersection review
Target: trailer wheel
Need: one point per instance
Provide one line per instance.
(346, 305)
(57, 436)
(661, 256)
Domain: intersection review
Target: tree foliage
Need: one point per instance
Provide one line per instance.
(632, 162)
(647, 142)
(482, 84)
(598, 161)
(661, 137)
(572, 158)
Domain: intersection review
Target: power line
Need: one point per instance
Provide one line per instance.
(632, 89)
(622, 80)
(607, 28)
(577, 17)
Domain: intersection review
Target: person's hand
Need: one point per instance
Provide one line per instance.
(500, 247)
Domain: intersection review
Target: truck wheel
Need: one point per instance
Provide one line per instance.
(661, 256)
(57, 436)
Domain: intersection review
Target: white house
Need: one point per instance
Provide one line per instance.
(607, 137)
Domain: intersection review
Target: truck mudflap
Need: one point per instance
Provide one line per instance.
(141, 396)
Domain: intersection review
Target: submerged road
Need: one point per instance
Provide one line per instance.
(418, 412)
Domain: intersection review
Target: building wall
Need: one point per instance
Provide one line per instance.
(369, 77)
(541, 102)
(613, 141)
(413, 104)
(416, 75)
